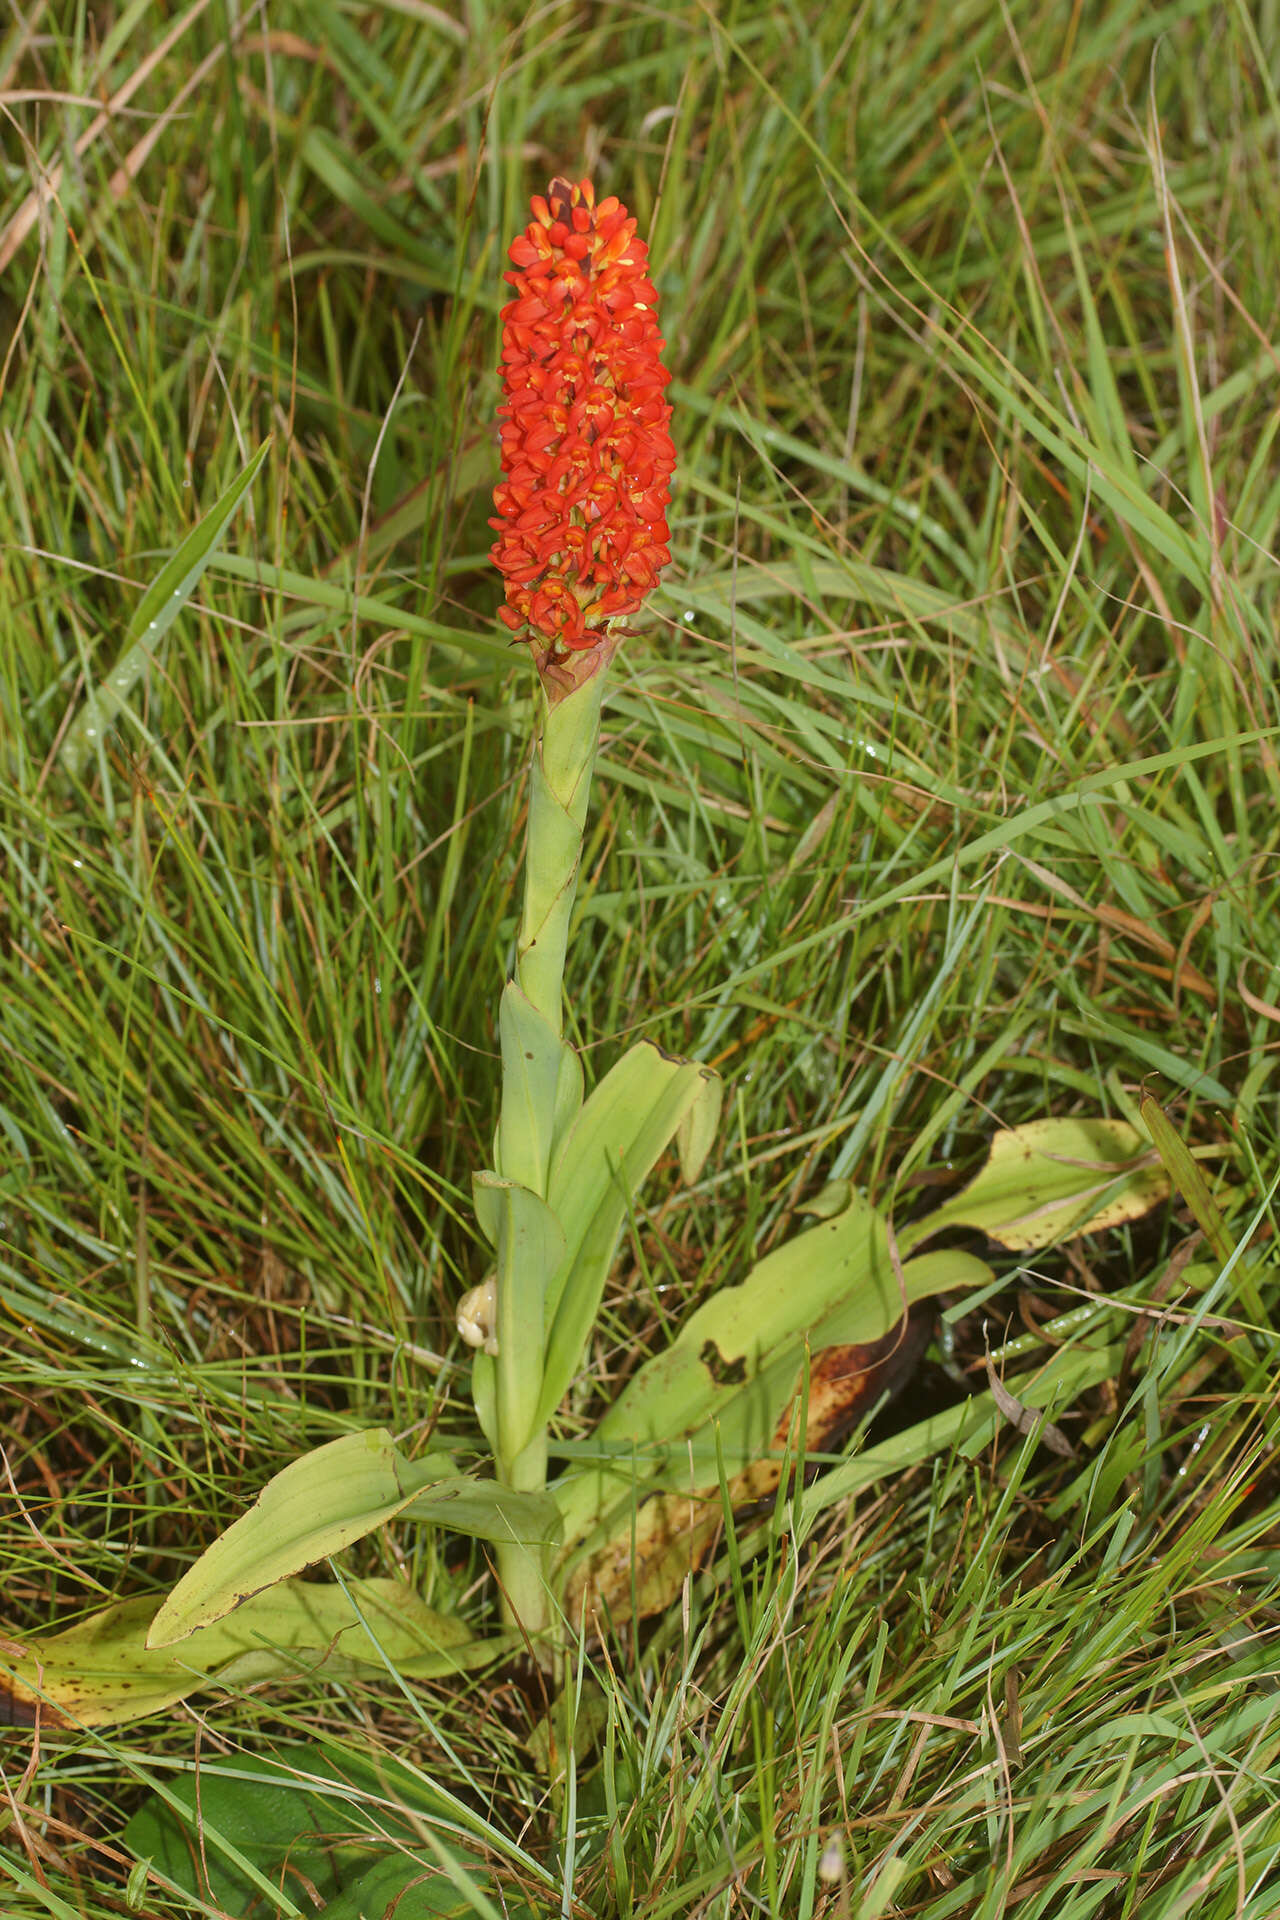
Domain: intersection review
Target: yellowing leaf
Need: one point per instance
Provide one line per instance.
(1052, 1180)
(101, 1672)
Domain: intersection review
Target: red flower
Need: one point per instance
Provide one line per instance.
(588, 459)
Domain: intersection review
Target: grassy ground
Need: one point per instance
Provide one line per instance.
(939, 793)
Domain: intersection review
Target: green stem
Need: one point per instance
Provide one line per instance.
(541, 1091)
(539, 1073)
(558, 802)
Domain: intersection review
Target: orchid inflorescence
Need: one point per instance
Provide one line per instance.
(586, 447)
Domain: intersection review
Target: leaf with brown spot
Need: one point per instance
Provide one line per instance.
(641, 1567)
(831, 1302)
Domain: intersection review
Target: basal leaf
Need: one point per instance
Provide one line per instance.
(102, 1672)
(327, 1824)
(317, 1506)
(695, 1136)
(487, 1511)
(1052, 1180)
(720, 1389)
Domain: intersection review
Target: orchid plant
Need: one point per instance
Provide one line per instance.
(588, 460)
(784, 1361)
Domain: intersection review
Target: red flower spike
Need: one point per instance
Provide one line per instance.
(586, 450)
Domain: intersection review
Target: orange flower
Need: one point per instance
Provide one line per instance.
(586, 450)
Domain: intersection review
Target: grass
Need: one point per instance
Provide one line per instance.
(938, 794)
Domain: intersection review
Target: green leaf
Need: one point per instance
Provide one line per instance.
(695, 1136)
(568, 1093)
(837, 1275)
(102, 1671)
(655, 1523)
(530, 1247)
(487, 1511)
(718, 1392)
(410, 1888)
(156, 612)
(321, 1503)
(317, 1506)
(330, 1824)
(647, 1100)
(484, 1393)
(1052, 1180)
(531, 1075)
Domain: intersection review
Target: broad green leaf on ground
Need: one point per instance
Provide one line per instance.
(156, 612)
(315, 1507)
(405, 1887)
(321, 1503)
(720, 1390)
(1052, 1180)
(101, 1672)
(317, 1823)
(647, 1100)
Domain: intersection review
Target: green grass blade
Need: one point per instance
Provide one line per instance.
(156, 612)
